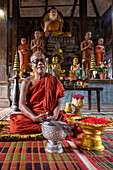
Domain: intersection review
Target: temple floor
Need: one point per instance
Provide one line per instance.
(84, 159)
(106, 111)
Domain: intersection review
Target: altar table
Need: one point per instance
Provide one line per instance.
(89, 90)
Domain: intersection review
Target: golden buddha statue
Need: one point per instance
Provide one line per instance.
(55, 67)
(53, 26)
(73, 68)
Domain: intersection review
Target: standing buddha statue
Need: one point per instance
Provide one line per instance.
(24, 54)
(100, 52)
(87, 48)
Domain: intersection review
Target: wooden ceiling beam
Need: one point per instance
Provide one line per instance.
(39, 6)
(95, 8)
(73, 9)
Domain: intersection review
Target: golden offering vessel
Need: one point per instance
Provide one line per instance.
(68, 108)
(91, 139)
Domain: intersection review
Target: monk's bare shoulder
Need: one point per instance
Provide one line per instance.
(26, 83)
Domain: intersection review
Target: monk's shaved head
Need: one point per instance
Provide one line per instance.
(37, 54)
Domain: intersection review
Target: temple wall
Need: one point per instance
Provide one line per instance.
(4, 102)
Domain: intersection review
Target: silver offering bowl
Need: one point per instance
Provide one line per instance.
(54, 133)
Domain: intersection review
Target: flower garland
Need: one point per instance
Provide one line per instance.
(77, 96)
(95, 120)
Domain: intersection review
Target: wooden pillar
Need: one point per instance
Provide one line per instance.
(71, 16)
(83, 19)
(15, 17)
(8, 36)
(112, 34)
(3, 42)
(4, 101)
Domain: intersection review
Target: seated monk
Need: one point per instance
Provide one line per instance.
(53, 27)
(40, 94)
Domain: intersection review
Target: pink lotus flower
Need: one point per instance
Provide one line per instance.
(53, 67)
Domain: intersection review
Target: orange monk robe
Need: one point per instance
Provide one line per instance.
(24, 55)
(55, 25)
(100, 50)
(42, 97)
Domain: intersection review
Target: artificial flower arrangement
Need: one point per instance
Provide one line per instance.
(78, 71)
(77, 102)
(103, 68)
(95, 120)
(91, 121)
(77, 96)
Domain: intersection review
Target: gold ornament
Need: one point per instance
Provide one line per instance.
(91, 139)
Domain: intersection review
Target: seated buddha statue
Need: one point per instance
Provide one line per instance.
(73, 67)
(55, 66)
(53, 26)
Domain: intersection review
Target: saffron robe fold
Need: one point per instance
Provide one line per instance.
(41, 97)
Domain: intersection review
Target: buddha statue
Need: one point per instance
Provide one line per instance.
(37, 44)
(24, 54)
(55, 66)
(87, 47)
(73, 67)
(53, 26)
(100, 52)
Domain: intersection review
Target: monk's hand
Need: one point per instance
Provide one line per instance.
(52, 118)
(38, 118)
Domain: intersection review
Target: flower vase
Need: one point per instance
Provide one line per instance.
(78, 104)
(103, 75)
